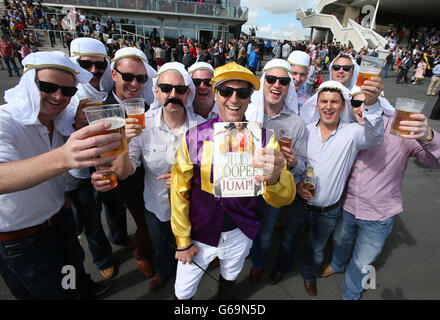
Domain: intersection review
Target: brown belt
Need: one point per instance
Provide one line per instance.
(23, 233)
(321, 209)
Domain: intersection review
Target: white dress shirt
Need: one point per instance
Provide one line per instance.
(333, 158)
(33, 206)
(156, 148)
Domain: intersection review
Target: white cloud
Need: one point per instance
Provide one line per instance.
(279, 6)
(263, 13)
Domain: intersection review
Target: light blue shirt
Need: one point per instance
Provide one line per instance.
(332, 159)
(436, 70)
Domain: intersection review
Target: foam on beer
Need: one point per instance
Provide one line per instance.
(116, 122)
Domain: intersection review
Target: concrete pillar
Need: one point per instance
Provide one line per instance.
(311, 34)
(326, 35)
(350, 13)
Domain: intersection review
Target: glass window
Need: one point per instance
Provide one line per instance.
(205, 26)
(188, 25)
(170, 33)
(189, 33)
(171, 23)
(152, 22)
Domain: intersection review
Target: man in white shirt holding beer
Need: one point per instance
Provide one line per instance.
(37, 238)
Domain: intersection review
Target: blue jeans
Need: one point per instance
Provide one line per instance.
(8, 62)
(309, 88)
(322, 226)
(31, 267)
(295, 220)
(87, 215)
(368, 238)
(164, 243)
(385, 70)
(268, 217)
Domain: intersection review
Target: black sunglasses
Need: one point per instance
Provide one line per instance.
(86, 64)
(356, 103)
(336, 67)
(197, 82)
(227, 92)
(284, 81)
(128, 77)
(49, 87)
(167, 88)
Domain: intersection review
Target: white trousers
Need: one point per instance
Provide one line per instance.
(232, 250)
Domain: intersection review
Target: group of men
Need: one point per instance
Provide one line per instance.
(165, 178)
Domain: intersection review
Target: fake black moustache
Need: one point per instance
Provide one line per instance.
(97, 74)
(173, 100)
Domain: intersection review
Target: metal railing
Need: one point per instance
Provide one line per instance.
(179, 7)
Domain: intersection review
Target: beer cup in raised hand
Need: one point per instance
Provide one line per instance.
(370, 67)
(135, 108)
(115, 115)
(404, 108)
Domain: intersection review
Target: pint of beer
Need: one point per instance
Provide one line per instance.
(114, 114)
(284, 139)
(404, 108)
(309, 181)
(135, 108)
(107, 174)
(370, 67)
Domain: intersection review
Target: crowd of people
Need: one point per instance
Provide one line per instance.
(52, 191)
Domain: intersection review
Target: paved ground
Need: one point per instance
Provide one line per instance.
(406, 270)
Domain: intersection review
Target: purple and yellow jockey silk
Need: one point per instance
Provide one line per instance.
(195, 212)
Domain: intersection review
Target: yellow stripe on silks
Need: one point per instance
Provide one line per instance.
(181, 176)
(43, 66)
(283, 192)
(205, 167)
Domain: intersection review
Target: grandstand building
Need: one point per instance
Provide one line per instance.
(357, 23)
(199, 20)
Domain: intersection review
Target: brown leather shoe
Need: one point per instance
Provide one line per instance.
(255, 276)
(275, 277)
(144, 267)
(157, 283)
(310, 288)
(108, 273)
(326, 271)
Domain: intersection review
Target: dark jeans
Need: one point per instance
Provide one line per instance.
(8, 62)
(295, 220)
(322, 226)
(32, 267)
(163, 245)
(402, 74)
(268, 217)
(87, 215)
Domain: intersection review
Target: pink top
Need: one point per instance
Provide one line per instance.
(374, 188)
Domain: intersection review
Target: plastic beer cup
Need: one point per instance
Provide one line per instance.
(114, 114)
(404, 108)
(135, 108)
(284, 139)
(108, 174)
(370, 67)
